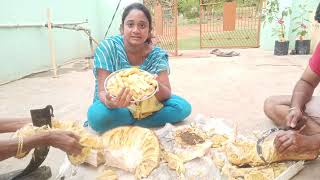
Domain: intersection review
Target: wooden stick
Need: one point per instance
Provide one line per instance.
(51, 45)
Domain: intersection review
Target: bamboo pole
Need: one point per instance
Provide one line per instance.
(51, 45)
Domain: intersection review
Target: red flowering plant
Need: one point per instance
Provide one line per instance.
(301, 22)
(272, 13)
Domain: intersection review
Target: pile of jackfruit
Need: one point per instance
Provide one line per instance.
(141, 84)
(131, 148)
(139, 151)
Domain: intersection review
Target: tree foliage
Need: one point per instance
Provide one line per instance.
(189, 8)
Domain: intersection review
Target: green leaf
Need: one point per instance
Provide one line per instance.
(303, 33)
(284, 13)
(295, 18)
(295, 29)
(308, 20)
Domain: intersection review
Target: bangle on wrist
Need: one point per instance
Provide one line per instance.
(293, 108)
(20, 154)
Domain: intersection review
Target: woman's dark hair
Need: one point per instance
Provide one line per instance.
(317, 16)
(137, 6)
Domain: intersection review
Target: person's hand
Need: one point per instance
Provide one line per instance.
(293, 141)
(66, 141)
(294, 118)
(122, 100)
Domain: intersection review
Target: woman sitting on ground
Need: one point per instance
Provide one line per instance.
(133, 48)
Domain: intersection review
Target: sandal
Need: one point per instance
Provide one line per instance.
(217, 52)
(233, 53)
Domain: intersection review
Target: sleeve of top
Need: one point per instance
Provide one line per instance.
(162, 62)
(104, 56)
(314, 61)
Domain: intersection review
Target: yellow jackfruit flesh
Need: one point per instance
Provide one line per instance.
(255, 173)
(245, 153)
(141, 83)
(174, 162)
(134, 149)
(88, 141)
(107, 175)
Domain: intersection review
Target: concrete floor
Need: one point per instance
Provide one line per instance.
(233, 88)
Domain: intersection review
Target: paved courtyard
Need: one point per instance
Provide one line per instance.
(233, 88)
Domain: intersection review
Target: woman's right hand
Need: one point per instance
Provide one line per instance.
(121, 101)
(66, 141)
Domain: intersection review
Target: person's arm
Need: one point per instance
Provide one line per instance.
(12, 124)
(8, 148)
(304, 88)
(64, 140)
(164, 92)
(302, 94)
(101, 77)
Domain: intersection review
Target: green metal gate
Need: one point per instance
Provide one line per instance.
(164, 15)
(230, 24)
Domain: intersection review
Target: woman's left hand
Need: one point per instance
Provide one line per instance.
(164, 91)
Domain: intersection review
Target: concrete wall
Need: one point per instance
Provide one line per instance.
(266, 38)
(105, 16)
(26, 50)
(312, 6)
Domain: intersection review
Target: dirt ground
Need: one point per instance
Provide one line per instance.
(233, 88)
(188, 31)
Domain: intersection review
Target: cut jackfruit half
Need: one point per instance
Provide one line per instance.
(134, 149)
(141, 83)
(243, 152)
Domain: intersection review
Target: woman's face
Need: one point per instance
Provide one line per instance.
(136, 27)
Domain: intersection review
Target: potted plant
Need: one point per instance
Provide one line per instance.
(229, 15)
(272, 13)
(302, 46)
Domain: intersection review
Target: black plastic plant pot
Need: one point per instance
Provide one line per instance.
(281, 48)
(302, 46)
